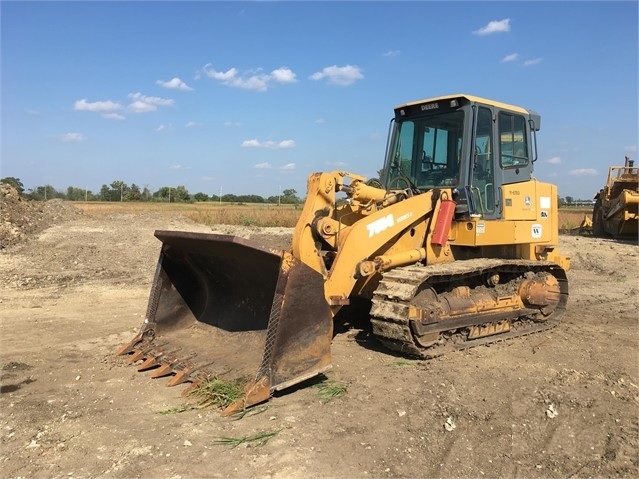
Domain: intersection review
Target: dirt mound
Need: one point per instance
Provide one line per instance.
(21, 218)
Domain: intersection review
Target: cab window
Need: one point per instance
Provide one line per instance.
(513, 144)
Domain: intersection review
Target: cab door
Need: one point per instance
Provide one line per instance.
(483, 185)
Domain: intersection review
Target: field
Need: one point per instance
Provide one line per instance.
(257, 215)
(205, 213)
(559, 404)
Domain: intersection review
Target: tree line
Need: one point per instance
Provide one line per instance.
(120, 191)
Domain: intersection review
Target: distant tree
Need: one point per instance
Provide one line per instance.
(105, 193)
(182, 195)
(175, 195)
(561, 202)
(46, 192)
(229, 198)
(569, 200)
(146, 193)
(289, 197)
(133, 193)
(118, 190)
(163, 194)
(201, 197)
(78, 194)
(250, 199)
(15, 182)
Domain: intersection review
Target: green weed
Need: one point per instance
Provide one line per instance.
(257, 440)
(331, 389)
(176, 410)
(248, 412)
(400, 363)
(218, 393)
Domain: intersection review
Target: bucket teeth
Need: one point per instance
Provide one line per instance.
(130, 346)
(179, 378)
(148, 363)
(136, 356)
(163, 370)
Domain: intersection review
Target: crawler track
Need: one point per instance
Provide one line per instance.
(401, 293)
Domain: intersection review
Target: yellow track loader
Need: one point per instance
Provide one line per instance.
(455, 245)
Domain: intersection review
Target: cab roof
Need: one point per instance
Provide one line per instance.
(469, 98)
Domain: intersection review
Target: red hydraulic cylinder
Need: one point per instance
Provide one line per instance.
(444, 222)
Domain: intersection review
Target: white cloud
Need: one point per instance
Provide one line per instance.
(335, 75)
(555, 160)
(534, 61)
(142, 103)
(221, 76)
(232, 123)
(175, 84)
(288, 166)
(583, 172)
(510, 58)
(161, 128)
(250, 143)
(72, 137)
(151, 100)
(84, 105)
(283, 75)
(391, 53)
(263, 166)
(191, 124)
(286, 144)
(320, 121)
(269, 144)
(252, 80)
(495, 26)
(113, 116)
(141, 107)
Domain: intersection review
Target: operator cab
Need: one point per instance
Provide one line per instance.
(471, 145)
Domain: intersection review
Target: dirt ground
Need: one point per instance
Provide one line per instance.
(560, 404)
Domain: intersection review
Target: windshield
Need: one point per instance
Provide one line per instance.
(427, 150)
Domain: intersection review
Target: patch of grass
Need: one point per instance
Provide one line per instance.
(248, 412)
(218, 393)
(400, 363)
(176, 410)
(258, 440)
(331, 389)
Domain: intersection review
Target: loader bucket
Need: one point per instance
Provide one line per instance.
(227, 308)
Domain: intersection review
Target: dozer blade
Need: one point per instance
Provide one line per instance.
(234, 310)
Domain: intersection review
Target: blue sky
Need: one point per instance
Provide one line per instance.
(251, 97)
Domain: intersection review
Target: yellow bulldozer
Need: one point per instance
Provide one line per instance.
(455, 245)
(616, 209)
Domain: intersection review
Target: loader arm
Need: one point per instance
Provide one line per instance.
(377, 230)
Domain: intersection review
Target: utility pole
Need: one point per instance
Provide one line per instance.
(279, 195)
(120, 193)
(169, 194)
